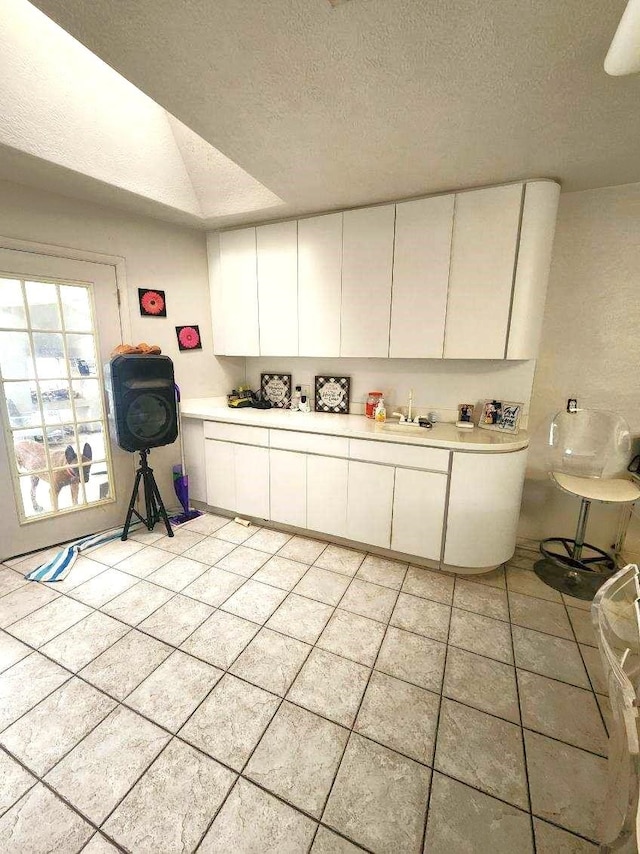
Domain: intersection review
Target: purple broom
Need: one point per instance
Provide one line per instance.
(181, 480)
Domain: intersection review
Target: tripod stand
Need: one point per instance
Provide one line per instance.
(154, 508)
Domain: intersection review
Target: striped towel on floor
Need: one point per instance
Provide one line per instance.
(59, 566)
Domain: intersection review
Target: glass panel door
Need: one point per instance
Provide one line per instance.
(59, 321)
(51, 382)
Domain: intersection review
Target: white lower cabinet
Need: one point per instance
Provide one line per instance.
(221, 475)
(484, 506)
(370, 503)
(327, 495)
(252, 481)
(288, 480)
(237, 477)
(419, 500)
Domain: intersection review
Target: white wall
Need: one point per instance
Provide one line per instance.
(590, 345)
(157, 255)
(437, 384)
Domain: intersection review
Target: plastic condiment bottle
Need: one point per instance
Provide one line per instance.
(381, 412)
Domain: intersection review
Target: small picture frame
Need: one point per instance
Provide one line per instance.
(332, 394)
(276, 388)
(465, 413)
(502, 416)
(152, 302)
(188, 337)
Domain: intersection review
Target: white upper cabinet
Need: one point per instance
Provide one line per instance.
(277, 247)
(319, 285)
(534, 260)
(483, 257)
(421, 277)
(234, 292)
(367, 260)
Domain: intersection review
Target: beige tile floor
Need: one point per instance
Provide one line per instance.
(242, 690)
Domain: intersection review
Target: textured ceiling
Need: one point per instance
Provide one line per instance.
(380, 99)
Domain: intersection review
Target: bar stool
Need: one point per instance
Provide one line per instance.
(588, 450)
(615, 617)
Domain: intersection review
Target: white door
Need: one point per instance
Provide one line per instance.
(418, 512)
(252, 480)
(234, 294)
(483, 257)
(327, 495)
(370, 503)
(221, 474)
(278, 288)
(319, 285)
(288, 480)
(420, 277)
(367, 259)
(63, 477)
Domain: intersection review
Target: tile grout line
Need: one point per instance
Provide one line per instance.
(437, 727)
(521, 727)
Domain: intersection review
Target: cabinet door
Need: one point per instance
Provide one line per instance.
(288, 479)
(221, 478)
(238, 288)
(327, 495)
(319, 285)
(252, 480)
(367, 258)
(418, 512)
(370, 503)
(420, 277)
(277, 247)
(484, 507)
(193, 441)
(483, 255)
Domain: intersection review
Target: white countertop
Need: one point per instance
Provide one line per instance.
(356, 427)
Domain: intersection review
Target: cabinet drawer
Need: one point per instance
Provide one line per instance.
(309, 443)
(236, 433)
(411, 456)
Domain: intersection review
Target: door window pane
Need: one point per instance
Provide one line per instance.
(49, 353)
(82, 355)
(12, 311)
(44, 310)
(76, 308)
(15, 356)
(92, 433)
(22, 404)
(87, 398)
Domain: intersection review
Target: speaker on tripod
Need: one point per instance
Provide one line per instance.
(143, 415)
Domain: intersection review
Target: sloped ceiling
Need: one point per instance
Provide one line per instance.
(379, 99)
(68, 117)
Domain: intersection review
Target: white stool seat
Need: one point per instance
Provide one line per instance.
(610, 490)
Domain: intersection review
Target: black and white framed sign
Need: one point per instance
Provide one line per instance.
(332, 394)
(276, 388)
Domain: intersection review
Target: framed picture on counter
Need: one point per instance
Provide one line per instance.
(503, 416)
(276, 388)
(332, 394)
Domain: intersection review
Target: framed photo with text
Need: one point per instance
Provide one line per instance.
(501, 415)
(276, 388)
(332, 394)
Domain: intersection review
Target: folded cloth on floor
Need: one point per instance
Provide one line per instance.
(59, 566)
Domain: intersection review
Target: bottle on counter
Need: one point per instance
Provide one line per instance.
(381, 411)
(295, 398)
(304, 404)
(372, 401)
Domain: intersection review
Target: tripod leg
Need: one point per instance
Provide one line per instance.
(134, 495)
(160, 506)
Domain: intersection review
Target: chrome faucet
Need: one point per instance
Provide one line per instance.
(408, 419)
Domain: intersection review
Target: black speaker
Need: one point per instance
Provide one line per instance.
(142, 401)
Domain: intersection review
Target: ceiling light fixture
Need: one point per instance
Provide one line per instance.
(624, 54)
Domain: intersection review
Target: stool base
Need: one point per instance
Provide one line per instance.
(573, 577)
